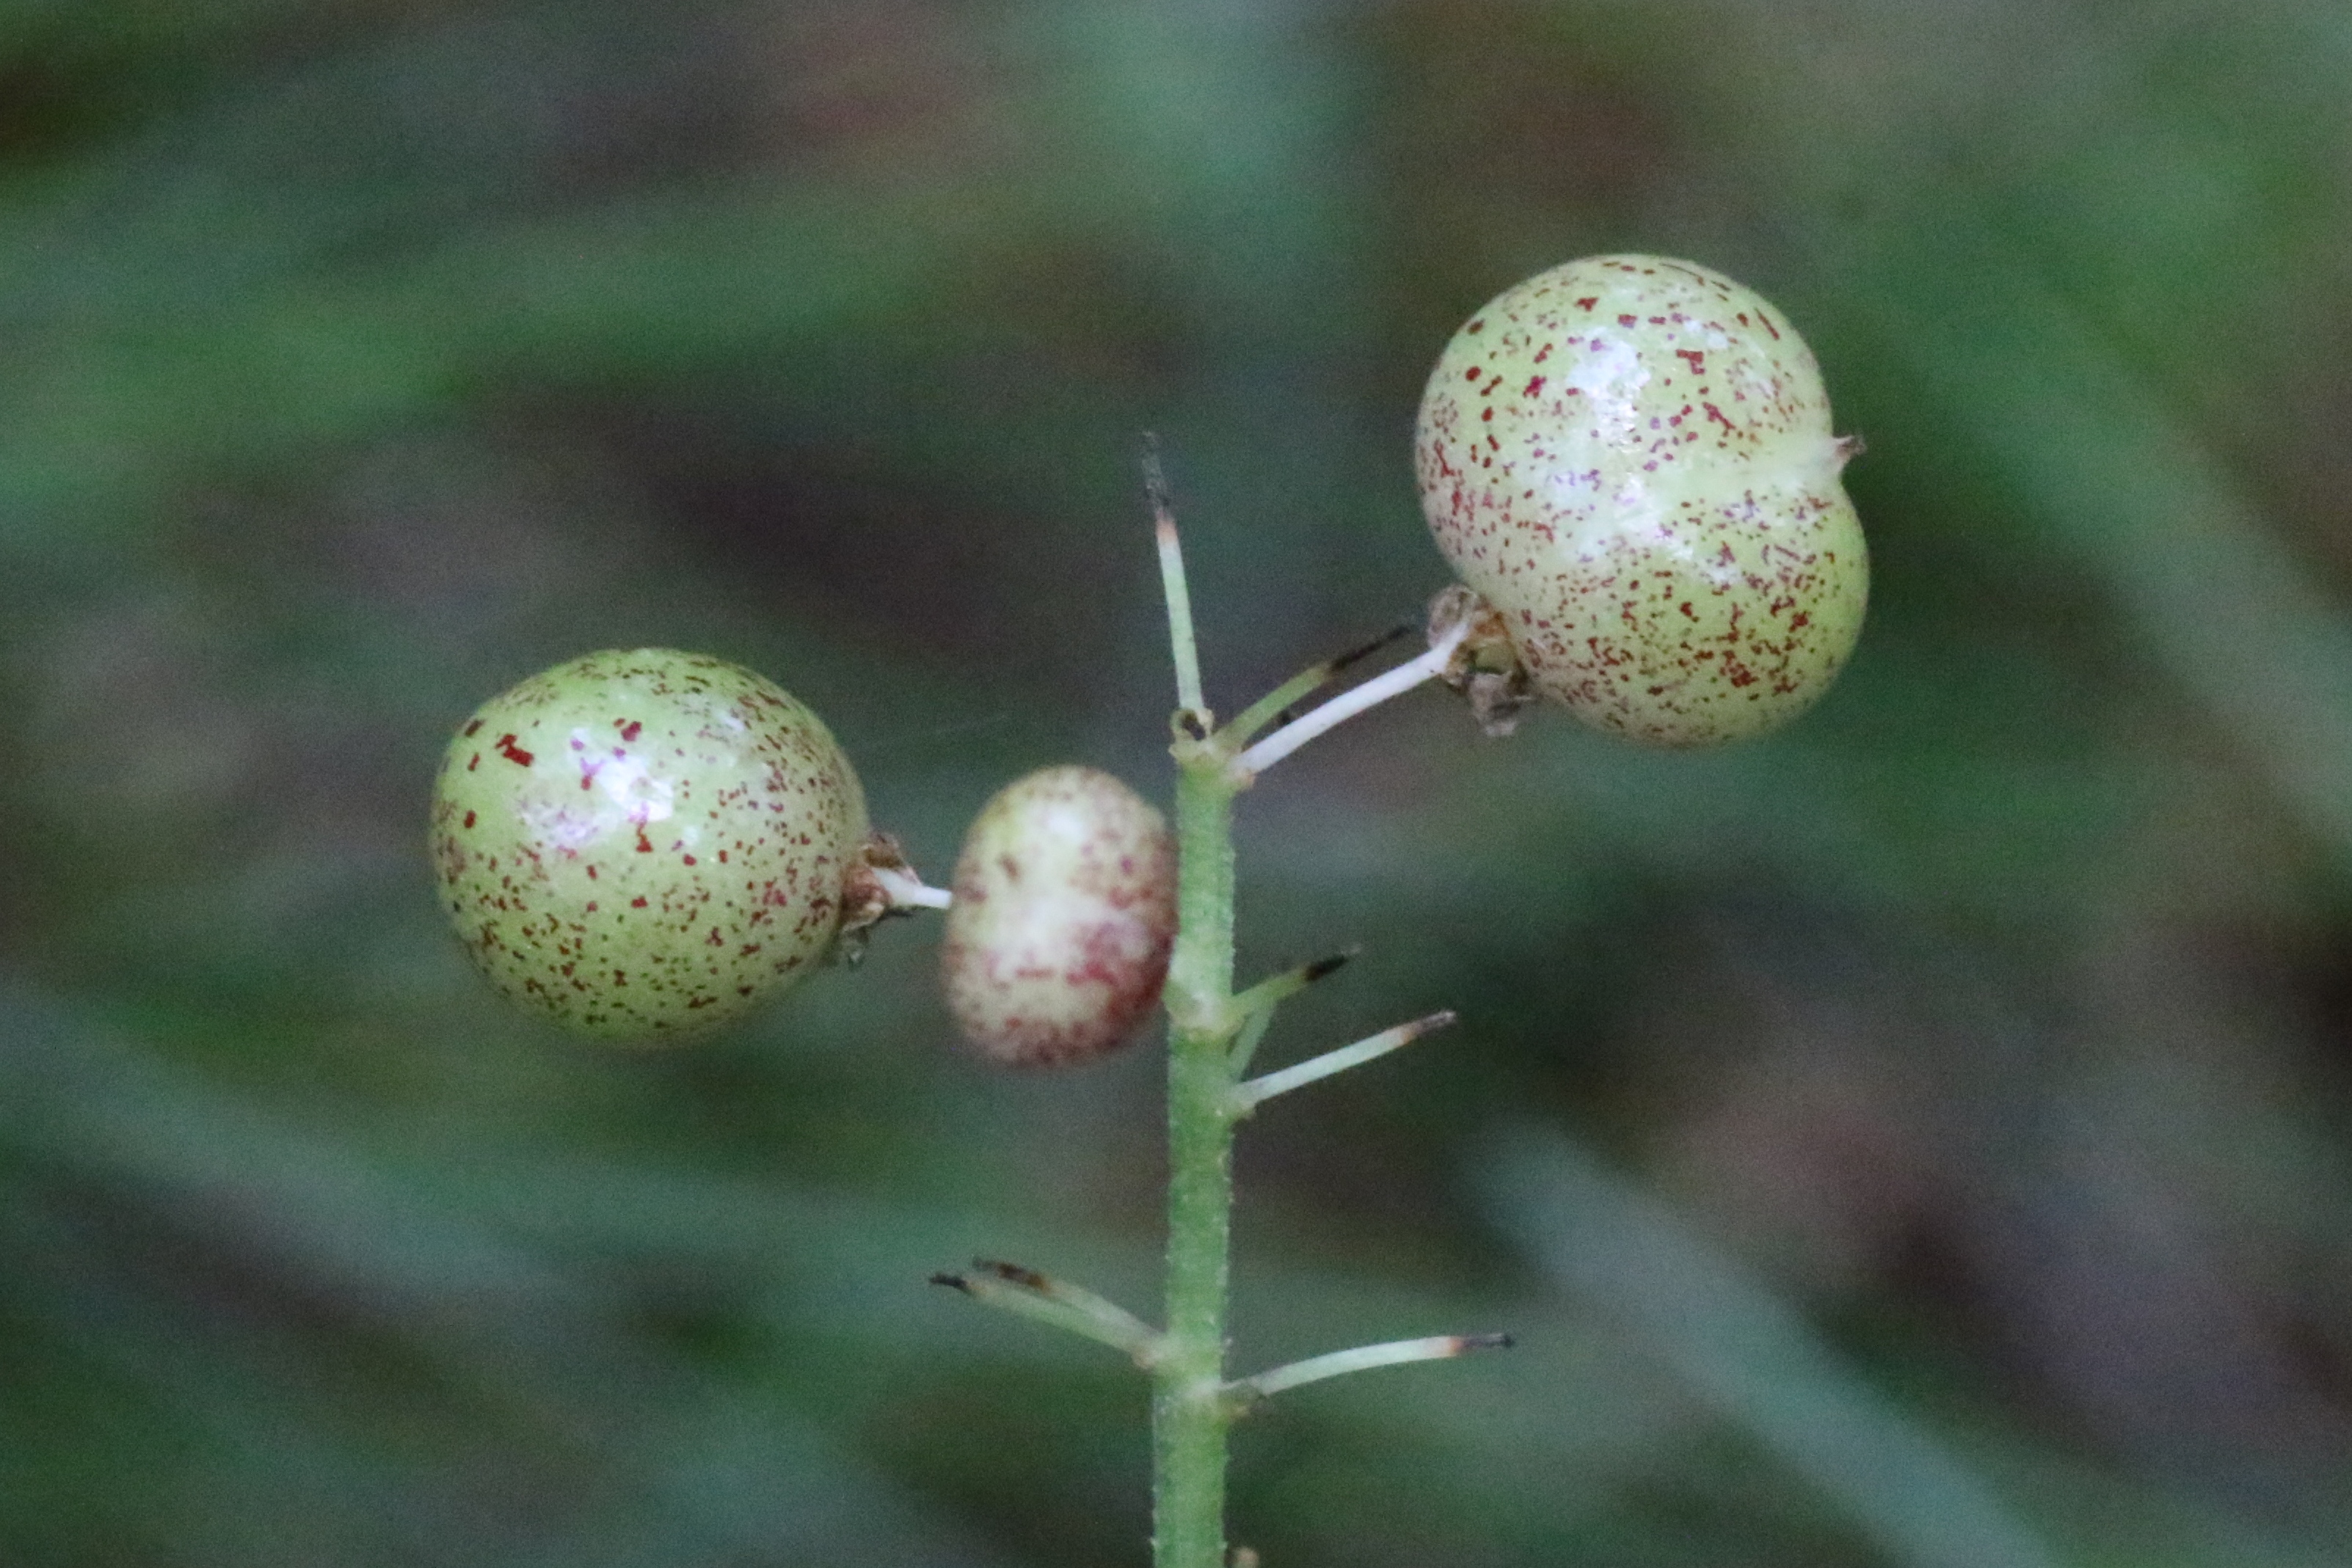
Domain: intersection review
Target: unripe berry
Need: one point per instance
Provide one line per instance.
(1064, 911)
(1631, 458)
(644, 843)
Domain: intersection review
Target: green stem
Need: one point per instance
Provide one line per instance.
(1190, 1411)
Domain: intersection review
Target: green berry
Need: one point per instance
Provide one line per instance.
(1064, 911)
(646, 843)
(1630, 457)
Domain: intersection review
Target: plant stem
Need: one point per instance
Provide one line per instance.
(1190, 1412)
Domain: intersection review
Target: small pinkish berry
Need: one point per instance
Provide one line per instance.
(646, 843)
(1629, 458)
(1064, 911)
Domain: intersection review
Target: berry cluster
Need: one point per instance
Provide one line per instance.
(1627, 461)
(1629, 464)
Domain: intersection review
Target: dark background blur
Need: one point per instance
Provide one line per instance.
(1923, 1138)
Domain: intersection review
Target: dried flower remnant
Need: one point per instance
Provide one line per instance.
(640, 844)
(1630, 457)
(1064, 911)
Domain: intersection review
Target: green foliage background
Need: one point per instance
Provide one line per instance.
(1919, 1138)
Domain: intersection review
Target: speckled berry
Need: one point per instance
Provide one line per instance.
(1631, 458)
(1064, 911)
(646, 843)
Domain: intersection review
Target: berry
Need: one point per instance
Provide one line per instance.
(646, 843)
(1064, 911)
(1629, 458)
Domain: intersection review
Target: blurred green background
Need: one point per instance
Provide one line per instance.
(1921, 1138)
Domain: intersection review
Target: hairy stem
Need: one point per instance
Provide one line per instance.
(1190, 1412)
